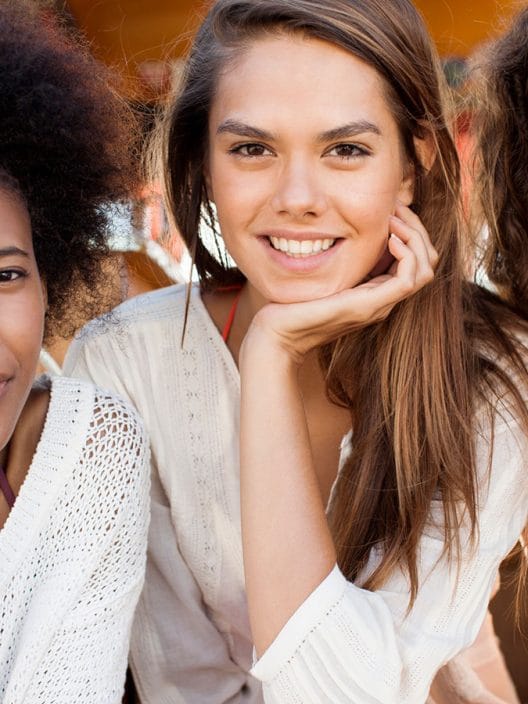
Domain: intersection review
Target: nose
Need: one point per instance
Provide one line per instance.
(299, 191)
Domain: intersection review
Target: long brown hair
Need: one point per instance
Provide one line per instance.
(412, 382)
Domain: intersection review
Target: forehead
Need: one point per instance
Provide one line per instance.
(298, 80)
(15, 225)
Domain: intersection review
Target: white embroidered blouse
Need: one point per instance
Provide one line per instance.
(191, 640)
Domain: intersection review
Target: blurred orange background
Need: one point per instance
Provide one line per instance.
(138, 34)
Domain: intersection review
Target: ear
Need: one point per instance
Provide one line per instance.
(426, 152)
(406, 190)
(425, 148)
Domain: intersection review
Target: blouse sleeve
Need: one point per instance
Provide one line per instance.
(95, 356)
(348, 645)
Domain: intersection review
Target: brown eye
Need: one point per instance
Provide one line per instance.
(251, 150)
(347, 151)
(8, 276)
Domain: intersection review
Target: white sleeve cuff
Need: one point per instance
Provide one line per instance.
(306, 619)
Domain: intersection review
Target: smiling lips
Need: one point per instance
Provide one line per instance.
(300, 249)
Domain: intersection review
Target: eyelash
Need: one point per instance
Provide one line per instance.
(237, 151)
(358, 151)
(16, 274)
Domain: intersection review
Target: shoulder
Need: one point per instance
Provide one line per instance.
(115, 418)
(154, 309)
(504, 373)
(152, 343)
(150, 322)
(501, 425)
(105, 425)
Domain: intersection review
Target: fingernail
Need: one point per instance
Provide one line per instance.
(395, 237)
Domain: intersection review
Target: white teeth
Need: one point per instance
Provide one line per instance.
(300, 248)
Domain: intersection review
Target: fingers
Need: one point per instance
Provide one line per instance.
(411, 271)
(410, 218)
(412, 250)
(302, 326)
(414, 239)
(406, 278)
(417, 241)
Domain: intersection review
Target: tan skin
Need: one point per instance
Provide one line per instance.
(320, 174)
(23, 407)
(327, 422)
(338, 173)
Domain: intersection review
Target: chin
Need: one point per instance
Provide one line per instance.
(301, 292)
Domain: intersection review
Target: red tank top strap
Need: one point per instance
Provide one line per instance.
(231, 316)
(6, 489)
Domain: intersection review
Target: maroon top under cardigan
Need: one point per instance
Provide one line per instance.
(6, 489)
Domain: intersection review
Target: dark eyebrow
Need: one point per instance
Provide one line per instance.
(13, 251)
(351, 129)
(243, 130)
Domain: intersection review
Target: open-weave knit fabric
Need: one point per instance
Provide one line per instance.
(72, 553)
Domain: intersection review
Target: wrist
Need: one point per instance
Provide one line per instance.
(262, 348)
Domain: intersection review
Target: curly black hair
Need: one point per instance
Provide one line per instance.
(67, 141)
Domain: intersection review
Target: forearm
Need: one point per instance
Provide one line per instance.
(288, 549)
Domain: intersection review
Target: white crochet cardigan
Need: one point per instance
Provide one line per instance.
(191, 641)
(72, 553)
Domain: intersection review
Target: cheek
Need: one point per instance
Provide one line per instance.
(238, 202)
(367, 203)
(27, 318)
(32, 342)
(21, 330)
(38, 315)
(366, 207)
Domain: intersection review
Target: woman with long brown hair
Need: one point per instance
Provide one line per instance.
(313, 134)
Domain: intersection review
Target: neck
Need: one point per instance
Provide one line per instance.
(3, 455)
(219, 303)
(250, 302)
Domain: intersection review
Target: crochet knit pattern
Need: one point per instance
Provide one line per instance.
(72, 553)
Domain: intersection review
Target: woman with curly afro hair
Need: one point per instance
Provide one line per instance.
(73, 459)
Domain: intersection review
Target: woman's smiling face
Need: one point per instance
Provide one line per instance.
(305, 166)
(22, 311)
